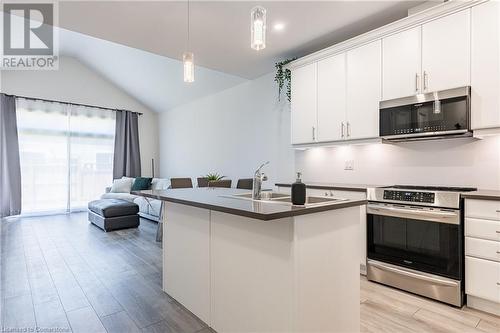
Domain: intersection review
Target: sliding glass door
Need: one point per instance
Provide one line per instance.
(66, 155)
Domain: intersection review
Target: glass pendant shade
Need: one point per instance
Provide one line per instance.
(258, 28)
(188, 60)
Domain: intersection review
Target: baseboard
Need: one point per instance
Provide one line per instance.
(483, 305)
(362, 269)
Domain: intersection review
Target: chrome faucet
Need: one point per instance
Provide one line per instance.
(258, 178)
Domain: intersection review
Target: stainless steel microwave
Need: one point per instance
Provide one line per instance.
(435, 115)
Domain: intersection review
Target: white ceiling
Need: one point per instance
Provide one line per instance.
(220, 31)
(137, 45)
(156, 81)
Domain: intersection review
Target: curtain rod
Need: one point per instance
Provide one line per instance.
(71, 103)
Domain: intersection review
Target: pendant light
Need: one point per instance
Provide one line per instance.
(258, 28)
(188, 57)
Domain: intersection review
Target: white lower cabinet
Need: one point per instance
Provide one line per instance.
(482, 278)
(482, 255)
(344, 194)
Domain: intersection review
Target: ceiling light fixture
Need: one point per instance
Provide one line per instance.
(258, 28)
(279, 26)
(188, 57)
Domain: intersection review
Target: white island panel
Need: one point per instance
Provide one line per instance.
(327, 271)
(252, 274)
(186, 257)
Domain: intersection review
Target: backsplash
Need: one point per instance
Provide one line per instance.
(468, 162)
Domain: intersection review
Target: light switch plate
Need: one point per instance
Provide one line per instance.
(349, 165)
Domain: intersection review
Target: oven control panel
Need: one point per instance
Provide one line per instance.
(425, 197)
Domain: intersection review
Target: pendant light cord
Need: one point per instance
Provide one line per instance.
(188, 26)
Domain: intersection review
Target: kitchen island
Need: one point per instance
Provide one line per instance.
(243, 265)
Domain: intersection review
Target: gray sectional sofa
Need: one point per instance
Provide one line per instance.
(148, 208)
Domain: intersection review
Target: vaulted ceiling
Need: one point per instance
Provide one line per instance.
(220, 30)
(138, 45)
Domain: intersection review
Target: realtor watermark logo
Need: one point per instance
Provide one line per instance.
(29, 36)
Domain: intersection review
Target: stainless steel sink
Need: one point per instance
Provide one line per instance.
(312, 200)
(265, 195)
(274, 197)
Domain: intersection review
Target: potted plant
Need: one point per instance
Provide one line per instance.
(213, 177)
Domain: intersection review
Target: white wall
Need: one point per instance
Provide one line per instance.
(74, 82)
(230, 132)
(233, 131)
(446, 162)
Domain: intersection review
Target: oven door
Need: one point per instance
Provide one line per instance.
(424, 239)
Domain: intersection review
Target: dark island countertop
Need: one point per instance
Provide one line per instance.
(217, 199)
(332, 186)
(482, 195)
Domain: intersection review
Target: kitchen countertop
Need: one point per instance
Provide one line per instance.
(333, 186)
(482, 195)
(217, 199)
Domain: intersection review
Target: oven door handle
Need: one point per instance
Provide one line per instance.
(421, 214)
(413, 275)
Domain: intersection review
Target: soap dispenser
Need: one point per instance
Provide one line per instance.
(298, 191)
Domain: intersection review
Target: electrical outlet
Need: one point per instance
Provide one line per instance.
(349, 165)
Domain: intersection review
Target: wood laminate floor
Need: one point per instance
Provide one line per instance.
(62, 273)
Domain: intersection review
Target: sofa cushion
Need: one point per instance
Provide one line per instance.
(141, 183)
(143, 204)
(160, 184)
(113, 207)
(121, 196)
(123, 185)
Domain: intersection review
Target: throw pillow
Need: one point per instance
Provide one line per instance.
(141, 183)
(160, 184)
(123, 185)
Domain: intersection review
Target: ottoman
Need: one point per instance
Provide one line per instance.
(113, 214)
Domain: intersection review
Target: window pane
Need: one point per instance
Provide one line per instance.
(66, 155)
(43, 148)
(91, 154)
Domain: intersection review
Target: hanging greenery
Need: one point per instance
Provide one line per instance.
(282, 77)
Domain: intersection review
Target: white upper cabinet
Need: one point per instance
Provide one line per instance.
(402, 64)
(485, 65)
(446, 52)
(336, 92)
(331, 98)
(364, 80)
(304, 107)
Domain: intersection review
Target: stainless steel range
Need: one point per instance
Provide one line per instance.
(415, 240)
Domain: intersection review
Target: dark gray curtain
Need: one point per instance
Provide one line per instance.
(10, 167)
(127, 157)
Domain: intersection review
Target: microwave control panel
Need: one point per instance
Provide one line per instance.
(425, 197)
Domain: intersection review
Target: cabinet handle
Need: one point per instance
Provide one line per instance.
(498, 283)
(426, 79)
(417, 79)
(348, 130)
(498, 210)
(342, 131)
(498, 252)
(314, 133)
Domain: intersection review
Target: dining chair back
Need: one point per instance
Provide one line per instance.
(181, 183)
(245, 183)
(220, 183)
